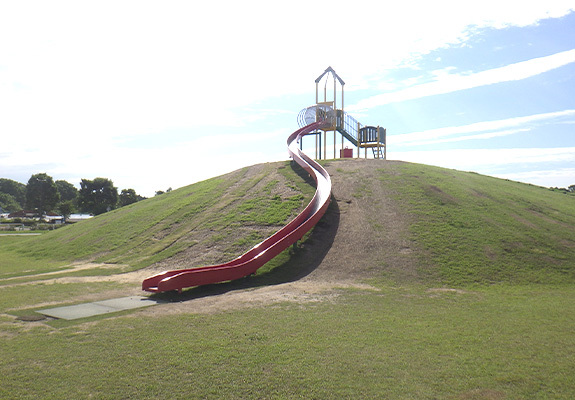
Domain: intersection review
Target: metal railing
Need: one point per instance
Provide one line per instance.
(348, 124)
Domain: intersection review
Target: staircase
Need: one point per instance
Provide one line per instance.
(377, 152)
(361, 136)
(347, 126)
(358, 135)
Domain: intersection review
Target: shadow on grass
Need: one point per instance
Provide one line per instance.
(303, 259)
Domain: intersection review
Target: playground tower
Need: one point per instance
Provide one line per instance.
(326, 108)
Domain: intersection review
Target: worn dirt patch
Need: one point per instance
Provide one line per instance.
(363, 235)
(482, 394)
(446, 290)
(300, 292)
(53, 277)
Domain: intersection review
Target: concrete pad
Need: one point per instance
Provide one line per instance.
(98, 307)
(77, 311)
(127, 303)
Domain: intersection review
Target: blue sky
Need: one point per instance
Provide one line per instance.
(163, 94)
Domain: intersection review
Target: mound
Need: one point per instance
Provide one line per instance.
(389, 220)
(364, 233)
(370, 228)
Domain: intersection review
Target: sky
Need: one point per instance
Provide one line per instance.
(158, 95)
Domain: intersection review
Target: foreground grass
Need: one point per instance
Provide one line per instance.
(401, 343)
(505, 333)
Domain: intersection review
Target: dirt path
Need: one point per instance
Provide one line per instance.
(20, 234)
(363, 235)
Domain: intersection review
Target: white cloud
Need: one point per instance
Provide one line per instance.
(467, 158)
(149, 169)
(560, 177)
(78, 75)
(480, 136)
(486, 129)
(448, 83)
(504, 163)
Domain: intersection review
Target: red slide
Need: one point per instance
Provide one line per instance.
(249, 262)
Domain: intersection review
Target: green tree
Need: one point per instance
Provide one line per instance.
(159, 192)
(128, 196)
(571, 188)
(66, 208)
(41, 193)
(67, 191)
(8, 203)
(97, 196)
(15, 189)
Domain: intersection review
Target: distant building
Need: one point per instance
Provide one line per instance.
(31, 214)
(49, 217)
(78, 217)
(53, 218)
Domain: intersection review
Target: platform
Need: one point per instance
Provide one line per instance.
(98, 307)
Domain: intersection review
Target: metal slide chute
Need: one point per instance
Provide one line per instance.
(249, 262)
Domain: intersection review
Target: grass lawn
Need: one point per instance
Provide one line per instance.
(492, 315)
(401, 343)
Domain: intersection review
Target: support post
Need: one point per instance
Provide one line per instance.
(358, 141)
(384, 143)
(342, 112)
(324, 145)
(334, 144)
(378, 141)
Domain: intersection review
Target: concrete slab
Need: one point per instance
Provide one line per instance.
(98, 307)
(127, 303)
(77, 311)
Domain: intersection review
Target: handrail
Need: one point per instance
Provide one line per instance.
(348, 124)
(249, 262)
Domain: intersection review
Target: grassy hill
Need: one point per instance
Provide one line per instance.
(479, 229)
(419, 282)
(466, 228)
(215, 220)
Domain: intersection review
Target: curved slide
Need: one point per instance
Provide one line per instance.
(249, 262)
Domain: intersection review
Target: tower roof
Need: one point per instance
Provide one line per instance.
(328, 70)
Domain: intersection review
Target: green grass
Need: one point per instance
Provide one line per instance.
(505, 333)
(482, 230)
(27, 297)
(149, 231)
(116, 236)
(401, 343)
(268, 211)
(16, 264)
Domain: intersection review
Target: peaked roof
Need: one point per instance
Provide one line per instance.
(330, 69)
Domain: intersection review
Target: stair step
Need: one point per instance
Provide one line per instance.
(377, 153)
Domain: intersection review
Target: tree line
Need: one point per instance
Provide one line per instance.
(43, 195)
